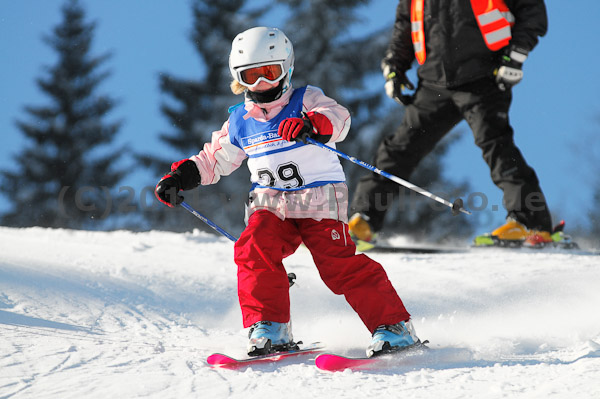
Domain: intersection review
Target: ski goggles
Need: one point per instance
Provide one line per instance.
(252, 75)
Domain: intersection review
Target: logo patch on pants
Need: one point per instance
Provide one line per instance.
(335, 235)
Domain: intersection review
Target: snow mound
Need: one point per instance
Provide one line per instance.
(122, 314)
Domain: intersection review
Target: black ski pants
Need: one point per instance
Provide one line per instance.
(432, 114)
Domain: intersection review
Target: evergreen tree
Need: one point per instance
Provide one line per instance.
(345, 65)
(61, 178)
(196, 108)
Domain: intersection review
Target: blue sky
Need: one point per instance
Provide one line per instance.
(555, 112)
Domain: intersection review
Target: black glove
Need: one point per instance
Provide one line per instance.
(298, 129)
(510, 72)
(395, 83)
(184, 175)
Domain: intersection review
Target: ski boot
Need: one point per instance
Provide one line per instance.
(513, 234)
(392, 338)
(269, 337)
(361, 232)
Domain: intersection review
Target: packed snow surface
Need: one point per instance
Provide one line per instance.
(134, 315)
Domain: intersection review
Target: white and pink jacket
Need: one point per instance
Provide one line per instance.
(289, 179)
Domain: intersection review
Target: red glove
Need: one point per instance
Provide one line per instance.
(312, 124)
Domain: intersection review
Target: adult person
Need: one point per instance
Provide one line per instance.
(470, 55)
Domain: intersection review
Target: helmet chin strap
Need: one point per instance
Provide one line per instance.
(267, 96)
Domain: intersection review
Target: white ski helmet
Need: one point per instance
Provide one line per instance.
(257, 47)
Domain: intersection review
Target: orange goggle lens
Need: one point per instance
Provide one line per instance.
(269, 72)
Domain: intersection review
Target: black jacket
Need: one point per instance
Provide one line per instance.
(455, 49)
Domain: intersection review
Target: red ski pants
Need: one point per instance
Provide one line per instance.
(263, 287)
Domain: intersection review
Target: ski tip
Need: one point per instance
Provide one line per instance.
(331, 362)
(219, 359)
(322, 362)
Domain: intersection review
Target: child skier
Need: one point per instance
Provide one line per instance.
(298, 195)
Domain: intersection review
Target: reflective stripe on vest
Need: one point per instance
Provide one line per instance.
(494, 20)
(417, 31)
(493, 17)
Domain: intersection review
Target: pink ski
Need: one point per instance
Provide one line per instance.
(224, 361)
(331, 362)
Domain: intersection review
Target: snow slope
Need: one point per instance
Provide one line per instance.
(127, 315)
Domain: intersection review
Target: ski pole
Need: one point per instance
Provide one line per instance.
(291, 276)
(456, 207)
(207, 221)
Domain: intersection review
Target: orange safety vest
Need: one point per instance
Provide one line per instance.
(493, 17)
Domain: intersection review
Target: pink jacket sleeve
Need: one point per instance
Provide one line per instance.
(219, 157)
(316, 101)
